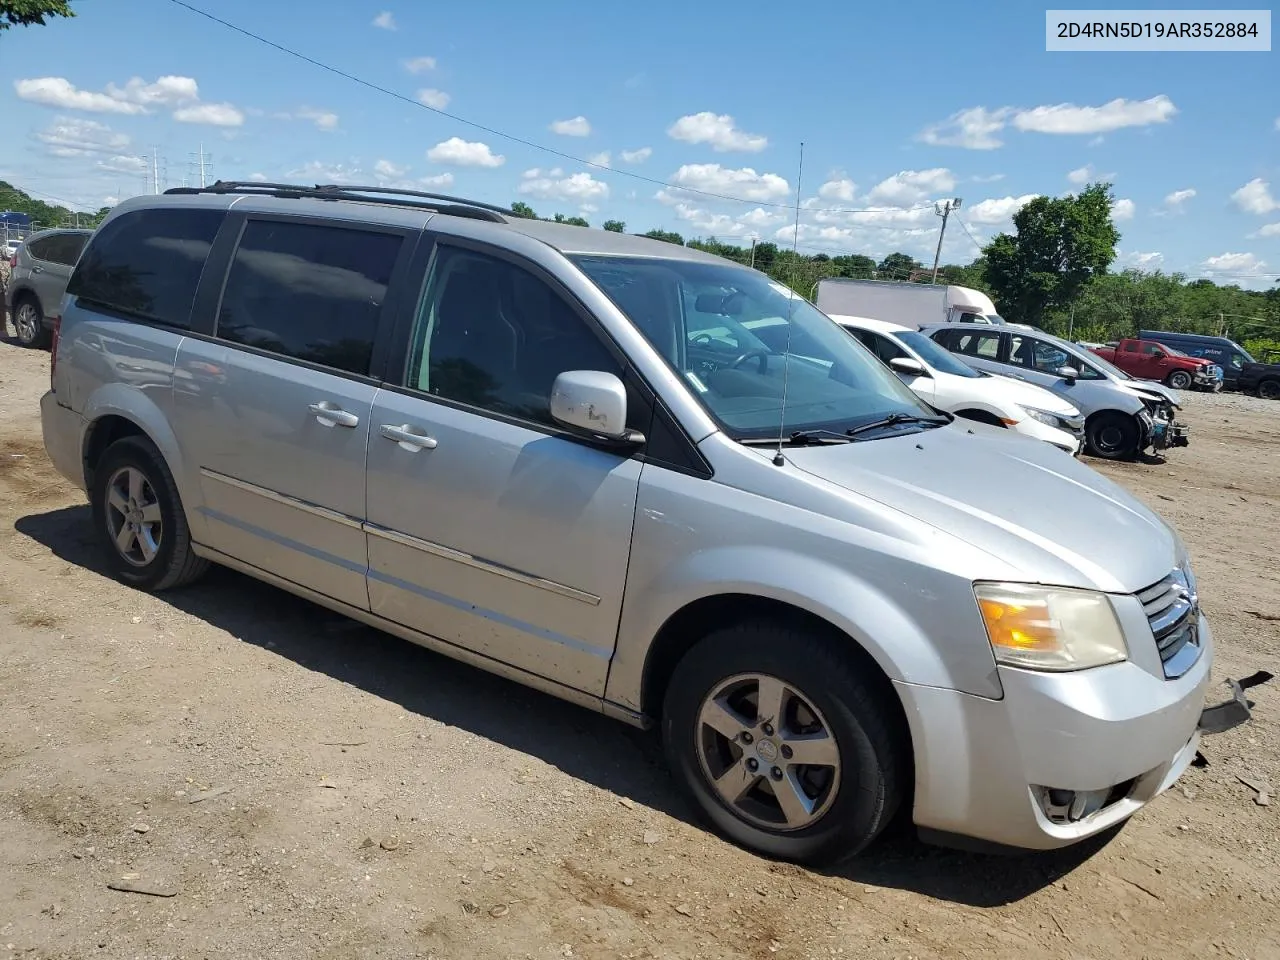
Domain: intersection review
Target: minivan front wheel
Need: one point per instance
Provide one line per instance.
(139, 519)
(1113, 436)
(783, 743)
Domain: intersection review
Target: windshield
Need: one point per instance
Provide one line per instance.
(725, 329)
(1103, 364)
(934, 355)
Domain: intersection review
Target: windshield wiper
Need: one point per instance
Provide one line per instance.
(800, 438)
(894, 419)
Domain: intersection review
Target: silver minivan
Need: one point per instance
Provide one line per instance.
(561, 454)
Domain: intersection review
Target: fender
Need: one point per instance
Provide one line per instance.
(895, 639)
(123, 400)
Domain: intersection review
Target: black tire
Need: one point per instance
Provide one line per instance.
(1113, 436)
(173, 563)
(1179, 380)
(29, 333)
(1269, 389)
(873, 748)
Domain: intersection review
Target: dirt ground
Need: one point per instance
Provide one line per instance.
(305, 787)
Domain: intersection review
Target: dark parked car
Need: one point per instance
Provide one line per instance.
(40, 271)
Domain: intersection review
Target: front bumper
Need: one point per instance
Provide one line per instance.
(981, 764)
(1164, 434)
(1071, 441)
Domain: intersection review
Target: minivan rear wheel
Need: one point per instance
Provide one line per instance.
(138, 516)
(783, 743)
(1113, 436)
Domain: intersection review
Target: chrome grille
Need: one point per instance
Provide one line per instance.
(1172, 610)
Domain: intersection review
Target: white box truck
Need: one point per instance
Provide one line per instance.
(908, 304)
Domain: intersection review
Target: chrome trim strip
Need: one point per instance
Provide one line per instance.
(288, 501)
(1163, 623)
(458, 556)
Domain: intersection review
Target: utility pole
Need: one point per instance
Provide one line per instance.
(155, 170)
(200, 164)
(753, 253)
(943, 210)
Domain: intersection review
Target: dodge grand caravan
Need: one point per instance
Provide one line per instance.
(562, 455)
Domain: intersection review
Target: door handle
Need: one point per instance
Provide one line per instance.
(406, 438)
(330, 414)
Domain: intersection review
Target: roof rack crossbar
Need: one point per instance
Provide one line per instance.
(452, 206)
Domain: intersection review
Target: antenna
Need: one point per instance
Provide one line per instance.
(778, 461)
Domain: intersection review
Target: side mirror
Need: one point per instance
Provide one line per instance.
(1070, 374)
(592, 402)
(908, 365)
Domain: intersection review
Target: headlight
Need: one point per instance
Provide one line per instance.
(1050, 628)
(1044, 416)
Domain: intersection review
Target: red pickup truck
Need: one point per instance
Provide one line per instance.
(1148, 360)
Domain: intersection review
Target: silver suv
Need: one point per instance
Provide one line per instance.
(41, 268)
(561, 454)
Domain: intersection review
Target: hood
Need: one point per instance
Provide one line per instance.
(1028, 394)
(1150, 389)
(1016, 498)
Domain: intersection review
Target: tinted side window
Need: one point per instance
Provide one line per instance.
(39, 249)
(64, 248)
(492, 335)
(148, 263)
(885, 349)
(1152, 349)
(985, 345)
(310, 292)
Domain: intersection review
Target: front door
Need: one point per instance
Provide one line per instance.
(273, 415)
(489, 527)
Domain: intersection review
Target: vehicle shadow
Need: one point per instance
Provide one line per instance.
(585, 745)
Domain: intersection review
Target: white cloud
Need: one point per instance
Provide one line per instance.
(214, 114)
(636, 156)
(1233, 263)
(912, 186)
(989, 178)
(388, 170)
(714, 224)
(1178, 198)
(841, 189)
(438, 180)
(1123, 209)
(123, 164)
(323, 119)
(319, 172)
(258, 177)
(167, 91)
(602, 158)
(978, 128)
(60, 92)
(575, 127)
(465, 153)
(759, 217)
(744, 184)
(1142, 261)
(1067, 118)
(1082, 175)
(420, 64)
(972, 129)
(718, 130)
(385, 21)
(580, 188)
(1255, 197)
(997, 209)
(436, 99)
(1267, 230)
(67, 137)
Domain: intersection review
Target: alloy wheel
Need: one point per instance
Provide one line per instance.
(768, 752)
(133, 516)
(26, 322)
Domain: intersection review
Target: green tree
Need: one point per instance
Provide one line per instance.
(521, 209)
(1060, 245)
(23, 13)
(572, 221)
(615, 226)
(857, 266)
(666, 235)
(897, 266)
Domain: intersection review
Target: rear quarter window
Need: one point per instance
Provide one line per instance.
(147, 263)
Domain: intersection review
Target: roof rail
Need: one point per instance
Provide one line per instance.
(452, 206)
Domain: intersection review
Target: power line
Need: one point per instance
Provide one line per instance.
(386, 91)
(969, 233)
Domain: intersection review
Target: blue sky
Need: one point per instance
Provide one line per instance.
(931, 102)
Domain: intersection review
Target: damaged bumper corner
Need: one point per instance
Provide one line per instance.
(1232, 713)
